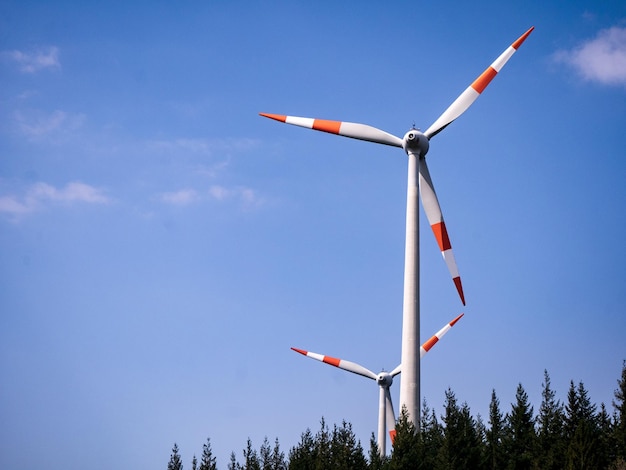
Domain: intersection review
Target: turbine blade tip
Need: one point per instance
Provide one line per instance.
(276, 117)
(453, 322)
(301, 351)
(522, 38)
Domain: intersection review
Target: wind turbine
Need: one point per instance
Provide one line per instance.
(386, 416)
(416, 144)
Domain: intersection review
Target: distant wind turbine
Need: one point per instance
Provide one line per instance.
(386, 416)
(416, 145)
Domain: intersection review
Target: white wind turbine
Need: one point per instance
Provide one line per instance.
(386, 416)
(415, 144)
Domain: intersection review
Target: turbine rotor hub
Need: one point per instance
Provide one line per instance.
(384, 379)
(415, 142)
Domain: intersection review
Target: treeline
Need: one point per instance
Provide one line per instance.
(574, 434)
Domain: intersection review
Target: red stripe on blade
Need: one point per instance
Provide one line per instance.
(522, 38)
(332, 361)
(301, 351)
(441, 234)
(392, 435)
(277, 117)
(453, 322)
(327, 126)
(459, 288)
(430, 343)
(481, 82)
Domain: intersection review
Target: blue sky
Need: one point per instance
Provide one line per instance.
(162, 246)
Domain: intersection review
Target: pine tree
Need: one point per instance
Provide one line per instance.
(430, 438)
(495, 435)
(376, 461)
(207, 460)
(581, 429)
(233, 464)
(194, 463)
(521, 437)
(322, 455)
(461, 447)
(346, 451)
(550, 441)
(619, 403)
(250, 458)
(405, 455)
(278, 457)
(175, 462)
(302, 456)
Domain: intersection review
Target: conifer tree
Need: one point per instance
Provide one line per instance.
(175, 462)
(376, 461)
(619, 403)
(495, 435)
(405, 454)
(233, 464)
(581, 429)
(194, 463)
(207, 460)
(521, 437)
(550, 441)
(461, 449)
(430, 438)
(250, 458)
(321, 449)
(302, 456)
(278, 458)
(346, 451)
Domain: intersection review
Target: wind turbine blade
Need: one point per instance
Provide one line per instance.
(396, 371)
(346, 129)
(437, 336)
(342, 364)
(390, 416)
(472, 92)
(437, 224)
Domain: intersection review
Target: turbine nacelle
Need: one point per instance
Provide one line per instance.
(415, 142)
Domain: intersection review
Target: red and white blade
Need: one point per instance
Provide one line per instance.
(342, 364)
(427, 346)
(437, 224)
(346, 129)
(465, 100)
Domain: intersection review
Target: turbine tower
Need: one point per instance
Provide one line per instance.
(416, 145)
(386, 416)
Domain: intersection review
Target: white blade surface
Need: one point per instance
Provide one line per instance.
(390, 416)
(346, 129)
(472, 92)
(342, 364)
(438, 226)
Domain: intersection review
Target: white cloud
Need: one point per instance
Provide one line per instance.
(40, 194)
(36, 124)
(180, 198)
(602, 59)
(35, 61)
(247, 196)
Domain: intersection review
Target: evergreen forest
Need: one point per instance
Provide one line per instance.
(575, 434)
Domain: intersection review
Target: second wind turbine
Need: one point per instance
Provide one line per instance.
(416, 145)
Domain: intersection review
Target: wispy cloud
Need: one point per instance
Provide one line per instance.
(601, 59)
(248, 198)
(35, 124)
(182, 197)
(203, 146)
(39, 195)
(32, 62)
